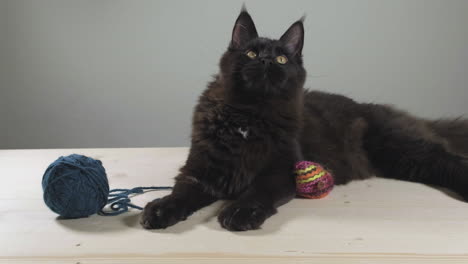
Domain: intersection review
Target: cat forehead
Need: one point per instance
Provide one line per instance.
(265, 44)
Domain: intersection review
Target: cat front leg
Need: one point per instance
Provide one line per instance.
(185, 199)
(271, 190)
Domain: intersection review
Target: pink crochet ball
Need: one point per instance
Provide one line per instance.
(312, 180)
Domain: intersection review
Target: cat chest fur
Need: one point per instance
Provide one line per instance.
(230, 126)
(235, 145)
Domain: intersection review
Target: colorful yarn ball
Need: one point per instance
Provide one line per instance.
(312, 180)
(75, 186)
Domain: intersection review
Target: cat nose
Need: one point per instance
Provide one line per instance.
(266, 61)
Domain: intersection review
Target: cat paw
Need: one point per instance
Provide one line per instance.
(162, 213)
(243, 217)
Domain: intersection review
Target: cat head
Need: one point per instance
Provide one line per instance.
(255, 67)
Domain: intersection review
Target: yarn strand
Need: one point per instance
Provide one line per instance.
(119, 201)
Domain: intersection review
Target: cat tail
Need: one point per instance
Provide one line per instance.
(455, 131)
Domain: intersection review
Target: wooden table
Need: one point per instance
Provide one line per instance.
(372, 221)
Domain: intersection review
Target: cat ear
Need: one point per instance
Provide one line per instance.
(293, 38)
(244, 30)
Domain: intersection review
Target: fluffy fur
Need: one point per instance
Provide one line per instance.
(255, 120)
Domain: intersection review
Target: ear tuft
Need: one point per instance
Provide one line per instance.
(244, 30)
(303, 18)
(243, 8)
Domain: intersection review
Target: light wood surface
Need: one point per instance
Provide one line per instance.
(372, 221)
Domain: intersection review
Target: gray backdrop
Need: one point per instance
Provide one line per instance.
(128, 73)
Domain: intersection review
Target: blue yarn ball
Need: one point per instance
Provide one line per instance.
(75, 186)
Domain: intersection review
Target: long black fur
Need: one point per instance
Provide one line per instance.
(255, 120)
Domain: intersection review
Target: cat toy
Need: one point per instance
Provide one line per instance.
(313, 181)
(76, 186)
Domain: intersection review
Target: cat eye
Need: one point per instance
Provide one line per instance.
(251, 54)
(281, 59)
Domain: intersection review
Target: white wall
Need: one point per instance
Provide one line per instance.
(128, 73)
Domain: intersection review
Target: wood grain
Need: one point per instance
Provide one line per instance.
(373, 221)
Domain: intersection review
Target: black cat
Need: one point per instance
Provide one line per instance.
(255, 120)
